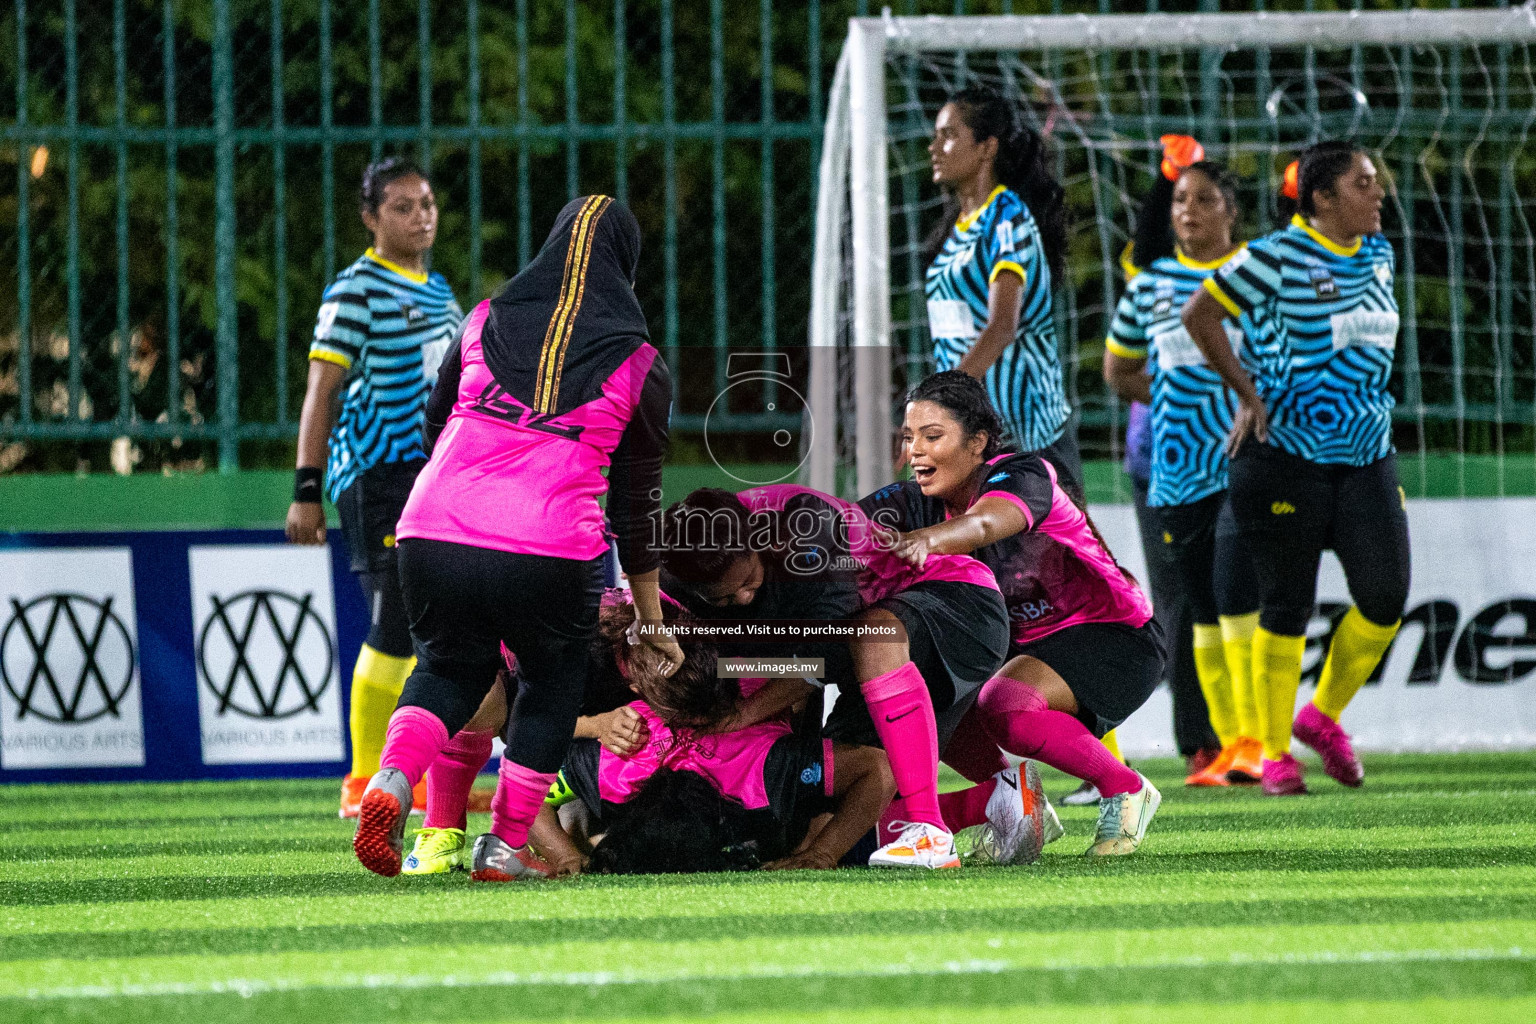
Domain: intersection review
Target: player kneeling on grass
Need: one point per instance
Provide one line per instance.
(692, 800)
(1085, 650)
(605, 717)
(926, 640)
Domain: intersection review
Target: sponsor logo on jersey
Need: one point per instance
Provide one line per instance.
(1282, 508)
(1323, 282)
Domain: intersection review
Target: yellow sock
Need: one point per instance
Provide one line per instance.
(1358, 645)
(376, 684)
(1276, 678)
(1113, 745)
(1237, 642)
(1215, 682)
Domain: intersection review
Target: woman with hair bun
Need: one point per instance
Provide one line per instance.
(1312, 461)
(995, 259)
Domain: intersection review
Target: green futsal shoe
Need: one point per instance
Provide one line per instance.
(437, 852)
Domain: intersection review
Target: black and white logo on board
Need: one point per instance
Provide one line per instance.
(265, 626)
(69, 695)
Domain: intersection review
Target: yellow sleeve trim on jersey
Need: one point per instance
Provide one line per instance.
(409, 275)
(326, 355)
(964, 223)
(1210, 285)
(1297, 220)
(1123, 351)
(1002, 265)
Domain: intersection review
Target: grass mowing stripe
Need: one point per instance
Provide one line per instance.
(778, 998)
(247, 987)
(684, 899)
(348, 879)
(1425, 1011)
(1078, 920)
(329, 857)
(633, 961)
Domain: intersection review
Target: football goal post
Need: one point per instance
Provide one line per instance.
(1443, 100)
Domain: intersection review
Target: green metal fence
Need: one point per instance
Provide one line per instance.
(185, 174)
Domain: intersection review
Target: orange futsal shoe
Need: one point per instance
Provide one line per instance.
(419, 797)
(352, 795)
(1247, 762)
(1215, 771)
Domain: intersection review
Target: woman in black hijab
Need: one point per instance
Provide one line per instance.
(502, 539)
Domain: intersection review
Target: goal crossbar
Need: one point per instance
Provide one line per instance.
(854, 159)
(1331, 29)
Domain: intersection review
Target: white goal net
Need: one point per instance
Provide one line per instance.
(1445, 102)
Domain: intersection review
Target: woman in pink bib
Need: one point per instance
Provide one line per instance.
(548, 384)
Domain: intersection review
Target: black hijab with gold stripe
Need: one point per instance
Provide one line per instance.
(559, 329)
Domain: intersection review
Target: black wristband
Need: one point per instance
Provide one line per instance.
(306, 484)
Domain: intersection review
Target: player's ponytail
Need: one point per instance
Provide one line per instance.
(1155, 238)
(965, 398)
(1023, 164)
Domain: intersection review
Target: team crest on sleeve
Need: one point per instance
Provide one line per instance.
(327, 318)
(1238, 259)
(1005, 236)
(1384, 273)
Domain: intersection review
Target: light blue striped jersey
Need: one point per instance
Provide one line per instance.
(388, 327)
(1332, 323)
(1191, 408)
(1025, 383)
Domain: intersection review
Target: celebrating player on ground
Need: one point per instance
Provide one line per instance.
(383, 327)
(1313, 464)
(1150, 358)
(1083, 640)
(503, 537)
(999, 249)
(906, 694)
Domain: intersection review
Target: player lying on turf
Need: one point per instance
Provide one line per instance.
(439, 846)
(791, 553)
(695, 800)
(1084, 644)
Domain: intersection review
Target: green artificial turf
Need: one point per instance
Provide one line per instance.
(1412, 899)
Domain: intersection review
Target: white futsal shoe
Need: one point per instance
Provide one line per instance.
(920, 845)
(1016, 823)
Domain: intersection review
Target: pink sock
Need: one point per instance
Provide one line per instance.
(903, 715)
(412, 741)
(453, 776)
(971, 751)
(1022, 723)
(966, 807)
(520, 792)
(888, 829)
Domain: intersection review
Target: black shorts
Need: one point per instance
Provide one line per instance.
(1200, 546)
(1290, 510)
(1111, 668)
(957, 635)
(370, 509)
(797, 777)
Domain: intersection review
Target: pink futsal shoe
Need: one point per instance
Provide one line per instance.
(1325, 736)
(1283, 777)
